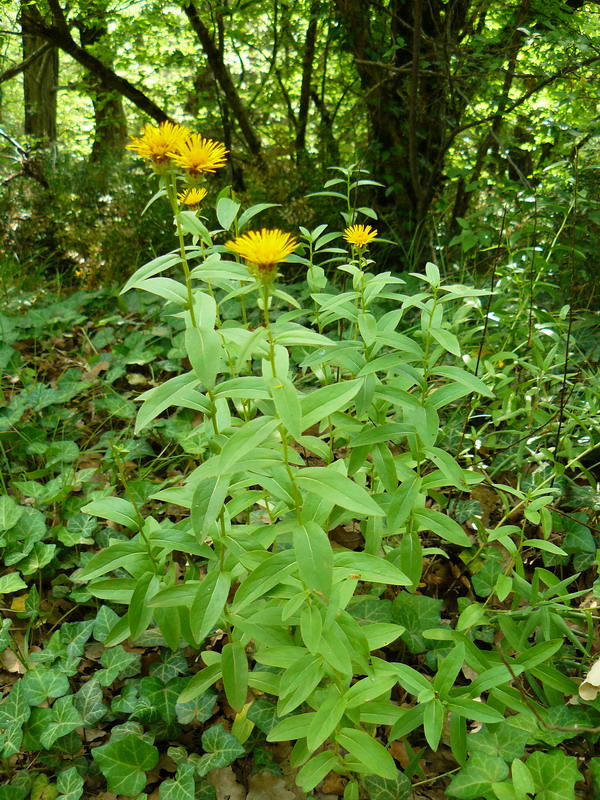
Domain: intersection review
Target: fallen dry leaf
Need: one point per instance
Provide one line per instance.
(11, 663)
(226, 785)
(267, 786)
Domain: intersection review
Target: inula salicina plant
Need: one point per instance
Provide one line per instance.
(320, 494)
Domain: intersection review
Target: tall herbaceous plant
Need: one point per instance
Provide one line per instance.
(315, 421)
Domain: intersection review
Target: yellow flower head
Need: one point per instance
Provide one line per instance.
(360, 235)
(192, 197)
(263, 250)
(158, 143)
(197, 155)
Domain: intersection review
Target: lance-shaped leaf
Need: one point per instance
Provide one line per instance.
(332, 485)
(314, 556)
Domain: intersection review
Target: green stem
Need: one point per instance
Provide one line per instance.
(171, 190)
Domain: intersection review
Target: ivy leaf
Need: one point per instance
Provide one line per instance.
(157, 701)
(502, 740)
(40, 684)
(475, 779)
(200, 708)
(378, 788)
(124, 763)
(117, 663)
(172, 665)
(89, 703)
(368, 609)
(222, 748)
(65, 718)
(15, 709)
(415, 613)
(4, 634)
(182, 787)
(12, 582)
(105, 620)
(69, 784)
(9, 512)
(554, 774)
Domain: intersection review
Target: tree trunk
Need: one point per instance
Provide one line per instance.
(40, 79)
(110, 132)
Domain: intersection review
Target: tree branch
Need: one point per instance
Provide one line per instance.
(33, 23)
(224, 80)
(18, 68)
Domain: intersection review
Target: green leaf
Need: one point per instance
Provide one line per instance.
(178, 391)
(65, 718)
(200, 682)
(124, 763)
(448, 670)
(315, 557)
(408, 557)
(220, 749)
(15, 710)
(9, 512)
(265, 577)
(157, 701)
(296, 726)
(326, 719)
(166, 288)
(139, 614)
(89, 702)
(369, 568)
(554, 774)
(182, 787)
(321, 403)
(467, 379)
(191, 224)
(11, 583)
(200, 708)
(448, 340)
(117, 662)
(249, 436)
(539, 653)
(445, 527)
(378, 788)
(316, 769)
(335, 487)
(522, 778)
(503, 740)
(234, 665)
(287, 404)
(472, 709)
(416, 613)
(475, 779)
(368, 752)
(207, 503)
(247, 215)
(69, 784)
(226, 210)
(433, 723)
(208, 604)
(205, 350)
(116, 509)
(311, 627)
(40, 684)
(152, 268)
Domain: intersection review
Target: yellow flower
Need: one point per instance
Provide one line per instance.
(158, 143)
(360, 235)
(197, 155)
(263, 250)
(192, 197)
